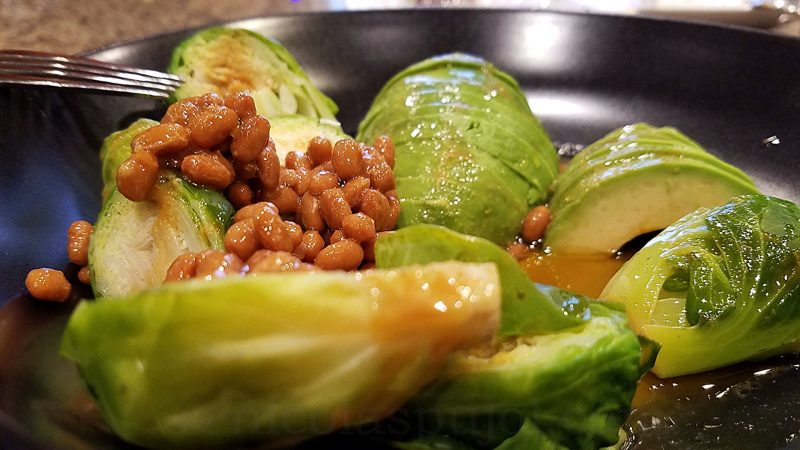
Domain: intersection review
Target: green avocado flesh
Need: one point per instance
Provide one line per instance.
(636, 180)
(469, 153)
(134, 243)
(226, 60)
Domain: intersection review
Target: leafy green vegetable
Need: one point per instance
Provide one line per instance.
(562, 376)
(116, 149)
(134, 243)
(636, 180)
(275, 356)
(717, 287)
(470, 155)
(570, 389)
(528, 308)
(225, 60)
(528, 437)
(292, 133)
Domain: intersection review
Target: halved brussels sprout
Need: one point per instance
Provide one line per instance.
(116, 149)
(562, 374)
(718, 286)
(636, 180)
(276, 357)
(292, 133)
(570, 389)
(469, 153)
(134, 243)
(226, 60)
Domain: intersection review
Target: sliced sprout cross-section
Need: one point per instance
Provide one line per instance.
(278, 357)
(226, 60)
(572, 388)
(134, 243)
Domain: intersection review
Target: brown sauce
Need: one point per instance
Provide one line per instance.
(585, 275)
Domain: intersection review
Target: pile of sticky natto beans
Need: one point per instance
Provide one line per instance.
(321, 209)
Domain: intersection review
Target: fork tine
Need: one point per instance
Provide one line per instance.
(9, 60)
(86, 62)
(57, 75)
(6, 79)
(22, 67)
(107, 76)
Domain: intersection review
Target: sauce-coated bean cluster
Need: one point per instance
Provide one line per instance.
(208, 138)
(324, 209)
(321, 209)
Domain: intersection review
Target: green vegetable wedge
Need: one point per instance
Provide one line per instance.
(292, 133)
(528, 308)
(226, 60)
(134, 243)
(636, 180)
(718, 286)
(275, 357)
(470, 155)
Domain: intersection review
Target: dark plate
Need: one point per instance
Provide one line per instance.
(728, 88)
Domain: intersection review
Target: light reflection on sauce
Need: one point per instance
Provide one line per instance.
(585, 275)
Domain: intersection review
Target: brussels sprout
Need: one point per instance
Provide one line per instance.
(134, 243)
(116, 149)
(469, 153)
(275, 356)
(717, 287)
(528, 308)
(292, 133)
(570, 389)
(635, 180)
(225, 60)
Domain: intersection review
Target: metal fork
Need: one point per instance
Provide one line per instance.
(27, 68)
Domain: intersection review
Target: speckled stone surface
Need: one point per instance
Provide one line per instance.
(72, 26)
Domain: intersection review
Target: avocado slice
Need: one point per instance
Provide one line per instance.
(134, 243)
(469, 153)
(639, 183)
(449, 188)
(475, 125)
(637, 141)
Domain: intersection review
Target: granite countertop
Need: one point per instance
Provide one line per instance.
(72, 26)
